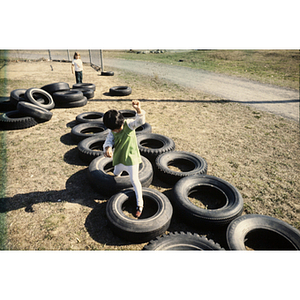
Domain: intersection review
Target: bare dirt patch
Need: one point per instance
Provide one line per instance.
(51, 204)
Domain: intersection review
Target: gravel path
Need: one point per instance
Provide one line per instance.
(273, 99)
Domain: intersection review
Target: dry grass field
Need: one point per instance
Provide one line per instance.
(50, 202)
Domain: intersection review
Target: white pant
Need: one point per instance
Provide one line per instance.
(133, 172)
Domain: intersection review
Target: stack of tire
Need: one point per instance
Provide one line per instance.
(64, 97)
(31, 106)
(224, 203)
(28, 107)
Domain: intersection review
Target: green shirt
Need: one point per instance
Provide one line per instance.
(126, 149)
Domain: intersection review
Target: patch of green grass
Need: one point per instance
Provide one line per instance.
(278, 67)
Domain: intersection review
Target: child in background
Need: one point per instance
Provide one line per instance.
(126, 155)
(77, 63)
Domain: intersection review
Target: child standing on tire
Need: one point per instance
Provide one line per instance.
(77, 63)
(126, 155)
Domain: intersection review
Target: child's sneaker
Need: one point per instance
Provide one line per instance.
(139, 211)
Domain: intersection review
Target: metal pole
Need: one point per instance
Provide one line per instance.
(90, 56)
(101, 58)
(49, 54)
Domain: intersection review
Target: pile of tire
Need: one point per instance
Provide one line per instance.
(30, 107)
(65, 97)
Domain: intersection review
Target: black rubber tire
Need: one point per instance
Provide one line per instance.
(154, 221)
(151, 145)
(15, 120)
(145, 128)
(108, 184)
(7, 105)
(182, 241)
(90, 148)
(90, 117)
(120, 91)
(33, 95)
(88, 93)
(86, 130)
(192, 164)
(34, 111)
(224, 202)
(55, 87)
(128, 113)
(262, 233)
(84, 85)
(17, 95)
(63, 97)
(107, 73)
(78, 103)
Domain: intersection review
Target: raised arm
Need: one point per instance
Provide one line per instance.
(140, 118)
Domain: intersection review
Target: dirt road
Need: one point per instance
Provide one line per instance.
(273, 99)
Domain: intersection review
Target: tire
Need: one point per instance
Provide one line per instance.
(7, 105)
(33, 95)
(190, 163)
(88, 93)
(64, 97)
(17, 95)
(145, 128)
(154, 221)
(90, 148)
(78, 103)
(86, 130)
(55, 87)
(128, 113)
(107, 73)
(120, 91)
(182, 241)
(34, 111)
(90, 117)
(259, 232)
(16, 120)
(84, 85)
(108, 184)
(151, 145)
(224, 202)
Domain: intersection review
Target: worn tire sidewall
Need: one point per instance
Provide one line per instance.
(196, 215)
(238, 229)
(139, 229)
(170, 176)
(49, 102)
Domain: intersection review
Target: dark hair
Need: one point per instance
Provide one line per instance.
(113, 119)
(76, 54)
